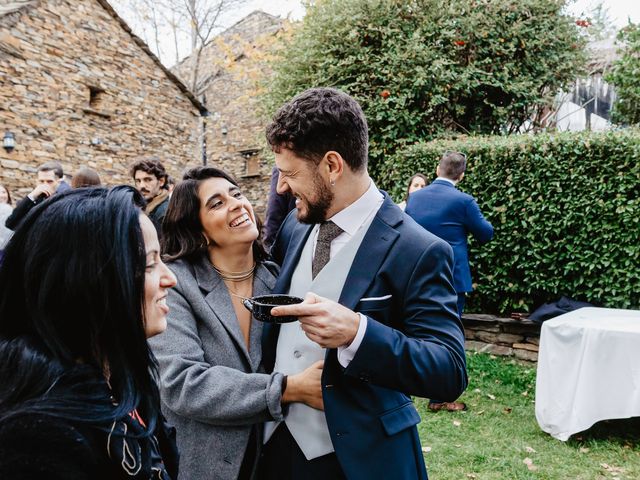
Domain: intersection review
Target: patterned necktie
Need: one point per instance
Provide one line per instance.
(328, 232)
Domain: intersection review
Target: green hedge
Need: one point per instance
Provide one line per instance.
(565, 208)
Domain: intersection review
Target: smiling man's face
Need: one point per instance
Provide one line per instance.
(302, 179)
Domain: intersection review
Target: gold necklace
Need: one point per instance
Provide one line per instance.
(235, 276)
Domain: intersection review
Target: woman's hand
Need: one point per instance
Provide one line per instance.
(305, 387)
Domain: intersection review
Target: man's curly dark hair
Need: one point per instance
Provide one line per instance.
(152, 166)
(319, 120)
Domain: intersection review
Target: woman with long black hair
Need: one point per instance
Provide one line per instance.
(81, 288)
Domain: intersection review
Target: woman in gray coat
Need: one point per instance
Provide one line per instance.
(211, 384)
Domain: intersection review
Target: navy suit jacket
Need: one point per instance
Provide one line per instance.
(451, 215)
(413, 344)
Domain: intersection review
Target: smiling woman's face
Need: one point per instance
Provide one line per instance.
(158, 279)
(226, 215)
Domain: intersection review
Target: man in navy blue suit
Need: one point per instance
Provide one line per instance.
(379, 314)
(452, 215)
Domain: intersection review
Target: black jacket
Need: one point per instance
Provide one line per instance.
(43, 446)
(23, 207)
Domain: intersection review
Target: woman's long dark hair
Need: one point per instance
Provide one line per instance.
(71, 304)
(182, 234)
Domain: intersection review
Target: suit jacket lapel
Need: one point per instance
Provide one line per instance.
(270, 331)
(372, 252)
(298, 240)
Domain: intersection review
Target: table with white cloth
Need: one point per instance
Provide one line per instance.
(588, 370)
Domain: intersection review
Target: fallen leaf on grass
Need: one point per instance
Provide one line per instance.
(426, 449)
(457, 445)
(480, 412)
(611, 469)
(584, 450)
(477, 390)
(529, 463)
(529, 450)
(492, 397)
(472, 475)
(508, 410)
(456, 423)
(524, 394)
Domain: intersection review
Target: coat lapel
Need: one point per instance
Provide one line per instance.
(372, 252)
(263, 284)
(218, 298)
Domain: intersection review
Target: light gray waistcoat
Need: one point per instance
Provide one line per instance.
(295, 351)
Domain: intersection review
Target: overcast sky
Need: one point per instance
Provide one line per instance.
(620, 11)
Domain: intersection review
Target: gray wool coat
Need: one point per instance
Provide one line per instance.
(211, 387)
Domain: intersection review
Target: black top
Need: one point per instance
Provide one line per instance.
(34, 446)
(157, 215)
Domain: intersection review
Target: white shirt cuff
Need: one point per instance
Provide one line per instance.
(346, 354)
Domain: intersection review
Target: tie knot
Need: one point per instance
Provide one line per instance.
(328, 231)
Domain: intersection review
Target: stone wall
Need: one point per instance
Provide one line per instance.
(230, 74)
(76, 87)
(502, 336)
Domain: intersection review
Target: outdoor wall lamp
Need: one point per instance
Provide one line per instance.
(9, 141)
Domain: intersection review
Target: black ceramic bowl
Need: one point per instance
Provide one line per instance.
(261, 307)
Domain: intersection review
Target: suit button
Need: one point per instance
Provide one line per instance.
(297, 353)
(364, 377)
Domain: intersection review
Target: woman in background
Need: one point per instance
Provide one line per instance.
(5, 195)
(5, 210)
(212, 386)
(416, 182)
(85, 177)
(81, 288)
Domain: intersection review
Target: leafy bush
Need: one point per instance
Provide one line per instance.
(625, 75)
(423, 67)
(565, 209)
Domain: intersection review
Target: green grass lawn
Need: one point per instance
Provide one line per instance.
(498, 437)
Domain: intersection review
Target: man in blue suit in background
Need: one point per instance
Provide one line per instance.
(379, 308)
(452, 215)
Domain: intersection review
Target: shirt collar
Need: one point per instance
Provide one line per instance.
(350, 219)
(447, 180)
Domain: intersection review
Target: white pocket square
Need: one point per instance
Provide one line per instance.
(371, 299)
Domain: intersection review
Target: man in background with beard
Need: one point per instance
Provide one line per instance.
(379, 308)
(150, 179)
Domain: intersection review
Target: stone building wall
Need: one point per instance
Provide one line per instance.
(502, 336)
(233, 65)
(78, 88)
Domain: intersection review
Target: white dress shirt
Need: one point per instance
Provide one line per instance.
(452, 182)
(350, 220)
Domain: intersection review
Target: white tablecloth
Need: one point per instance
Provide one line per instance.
(588, 370)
